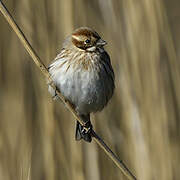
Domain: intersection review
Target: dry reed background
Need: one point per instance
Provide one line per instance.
(141, 123)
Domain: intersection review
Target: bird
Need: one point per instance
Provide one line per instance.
(83, 73)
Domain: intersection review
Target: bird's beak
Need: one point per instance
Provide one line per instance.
(101, 42)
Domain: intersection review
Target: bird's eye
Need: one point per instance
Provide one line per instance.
(87, 41)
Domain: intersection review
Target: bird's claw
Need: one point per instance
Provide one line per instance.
(87, 128)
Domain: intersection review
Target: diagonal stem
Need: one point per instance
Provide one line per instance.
(45, 72)
(119, 163)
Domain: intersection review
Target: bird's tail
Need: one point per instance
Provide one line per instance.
(81, 132)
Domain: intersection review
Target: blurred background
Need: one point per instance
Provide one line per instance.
(141, 123)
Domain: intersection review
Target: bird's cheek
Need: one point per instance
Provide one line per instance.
(91, 49)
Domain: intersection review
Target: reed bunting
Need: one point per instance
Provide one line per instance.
(82, 72)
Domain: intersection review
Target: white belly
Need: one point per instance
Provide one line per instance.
(87, 91)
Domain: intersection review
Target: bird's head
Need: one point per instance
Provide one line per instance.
(87, 39)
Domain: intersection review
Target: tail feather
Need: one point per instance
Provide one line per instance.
(78, 135)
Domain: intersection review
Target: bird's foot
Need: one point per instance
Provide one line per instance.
(87, 128)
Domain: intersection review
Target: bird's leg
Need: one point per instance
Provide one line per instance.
(87, 127)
